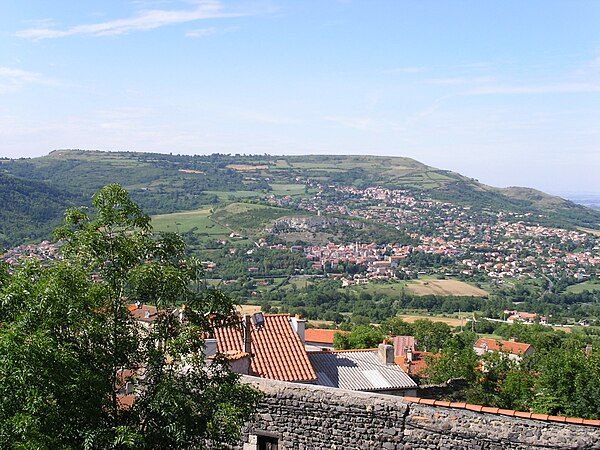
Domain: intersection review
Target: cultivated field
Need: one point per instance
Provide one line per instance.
(248, 309)
(589, 230)
(453, 322)
(444, 288)
(246, 167)
(199, 172)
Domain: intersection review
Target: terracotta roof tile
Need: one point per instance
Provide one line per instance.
(415, 367)
(321, 336)
(143, 313)
(540, 416)
(401, 343)
(574, 420)
(557, 418)
(278, 352)
(504, 412)
(516, 348)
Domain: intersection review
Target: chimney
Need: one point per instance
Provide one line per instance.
(210, 347)
(247, 325)
(182, 312)
(129, 388)
(147, 314)
(409, 354)
(298, 325)
(386, 353)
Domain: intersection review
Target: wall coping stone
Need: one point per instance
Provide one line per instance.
(374, 398)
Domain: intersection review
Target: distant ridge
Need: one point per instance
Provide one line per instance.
(30, 209)
(36, 191)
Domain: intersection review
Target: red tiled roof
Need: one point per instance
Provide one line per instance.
(516, 348)
(125, 401)
(278, 351)
(416, 366)
(144, 313)
(320, 335)
(401, 343)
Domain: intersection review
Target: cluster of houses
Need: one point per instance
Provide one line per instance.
(40, 252)
(280, 347)
(501, 246)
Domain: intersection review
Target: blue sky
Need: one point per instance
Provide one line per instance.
(504, 91)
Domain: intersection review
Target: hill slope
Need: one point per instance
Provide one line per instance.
(36, 193)
(30, 209)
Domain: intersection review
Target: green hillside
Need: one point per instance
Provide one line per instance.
(30, 209)
(35, 191)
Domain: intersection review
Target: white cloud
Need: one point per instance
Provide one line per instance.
(145, 20)
(457, 81)
(201, 32)
(405, 70)
(12, 79)
(265, 117)
(363, 123)
(18, 75)
(556, 88)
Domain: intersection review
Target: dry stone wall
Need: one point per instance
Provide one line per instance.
(303, 417)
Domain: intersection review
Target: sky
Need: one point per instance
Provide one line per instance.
(507, 92)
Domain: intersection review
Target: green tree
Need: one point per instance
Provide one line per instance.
(361, 336)
(569, 383)
(456, 360)
(68, 342)
(503, 382)
(396, 326)
(431, 336)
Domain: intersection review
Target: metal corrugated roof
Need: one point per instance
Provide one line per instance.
(358, 371)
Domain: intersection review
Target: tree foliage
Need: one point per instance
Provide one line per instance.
(69, 344)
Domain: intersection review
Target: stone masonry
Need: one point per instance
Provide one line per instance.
(303, 417)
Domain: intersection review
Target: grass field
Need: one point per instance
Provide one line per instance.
(225, 195)
(389, 289)
(287, 189)
(445, 288)
(592, 286)
(198, 220)
(248, 218)
(299, 282)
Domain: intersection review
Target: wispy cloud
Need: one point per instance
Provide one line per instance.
(143, 21)
(556, 88)
(458, 81)
(12, 79)
(265, 117)
(201, 32)
(122, 118)
(18, 75)
(405, 70)
(363, 123)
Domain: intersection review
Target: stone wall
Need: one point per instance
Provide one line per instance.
(306, 417)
